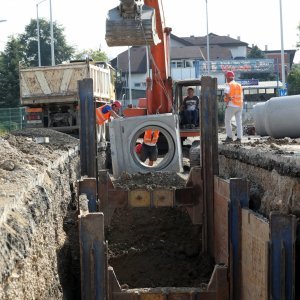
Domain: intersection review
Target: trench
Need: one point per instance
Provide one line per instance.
(39, 229)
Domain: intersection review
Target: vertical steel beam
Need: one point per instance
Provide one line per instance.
(88, 186)
(92, 256)
(87, 131)
(282, 261)
(239, 198)
(209, 154)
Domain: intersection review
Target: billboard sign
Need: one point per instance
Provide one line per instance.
(240, 66)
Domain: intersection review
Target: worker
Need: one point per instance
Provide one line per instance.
(106, 111)
(149, 146)
(233, 97)
(190, 110)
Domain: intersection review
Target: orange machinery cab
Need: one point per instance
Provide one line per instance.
(140, 110)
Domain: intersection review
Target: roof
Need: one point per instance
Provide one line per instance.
(138, 61)
(193, 52)
(214, 39)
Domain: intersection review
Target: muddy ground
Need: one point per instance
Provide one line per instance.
(157, 248)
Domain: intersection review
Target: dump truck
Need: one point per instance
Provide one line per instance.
(50, 93)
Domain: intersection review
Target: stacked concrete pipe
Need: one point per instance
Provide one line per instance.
(278, 117)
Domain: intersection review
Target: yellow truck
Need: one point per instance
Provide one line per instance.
(50, 94)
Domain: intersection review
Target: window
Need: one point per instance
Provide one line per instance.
(188, 64)
(177, 64)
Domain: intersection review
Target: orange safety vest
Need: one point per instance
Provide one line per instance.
(235, 94)
(100, 116)
(151, 137)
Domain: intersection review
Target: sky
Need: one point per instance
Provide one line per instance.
(256, 22)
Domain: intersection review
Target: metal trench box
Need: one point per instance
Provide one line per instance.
(124, 133)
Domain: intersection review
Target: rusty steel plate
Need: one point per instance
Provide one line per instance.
(163, 198)
(139, 198)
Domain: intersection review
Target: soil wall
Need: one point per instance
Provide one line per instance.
(37, 189)
(273, 172)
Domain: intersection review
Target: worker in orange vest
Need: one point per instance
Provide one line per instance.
(106, 111)
(234, 105)
(149, 147)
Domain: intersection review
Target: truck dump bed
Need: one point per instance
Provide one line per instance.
(52, 84)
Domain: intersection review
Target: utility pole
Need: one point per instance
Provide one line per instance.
(282, 50)
(129, 76)
(38, 31)
(52, 39)
(207, 42)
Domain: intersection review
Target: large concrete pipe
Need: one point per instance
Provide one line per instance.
(278, 117)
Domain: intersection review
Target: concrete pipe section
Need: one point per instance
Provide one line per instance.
(278, 117)
(126, 133)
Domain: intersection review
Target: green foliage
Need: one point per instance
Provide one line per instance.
(62, 51)
(9, 73)
(256, 53)
(293, 81)
(96, 55)
(24, 49)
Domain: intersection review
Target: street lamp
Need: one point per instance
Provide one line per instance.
(282, 49)
(52, 39)
(51, 32)
(38, 31)
(207, 42)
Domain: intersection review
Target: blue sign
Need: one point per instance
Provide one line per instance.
(283, 92)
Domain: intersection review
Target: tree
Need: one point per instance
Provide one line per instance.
(255, 52)
(293, 81)
(9, 73)
(29, 39)
(96, 55)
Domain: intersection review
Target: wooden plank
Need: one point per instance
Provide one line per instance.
(254, 256)
(221, 200)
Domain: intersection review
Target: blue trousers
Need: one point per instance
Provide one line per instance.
(190, 117)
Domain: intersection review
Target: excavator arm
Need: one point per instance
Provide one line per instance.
(137, 23)
(131, 24)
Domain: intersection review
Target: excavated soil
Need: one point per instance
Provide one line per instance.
(146, 247)
(150, 181)
(272, 167)
(157, 248)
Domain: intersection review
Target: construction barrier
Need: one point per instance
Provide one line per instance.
(12, 119)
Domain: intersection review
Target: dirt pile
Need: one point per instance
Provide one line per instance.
(150, 181)
(157, 248)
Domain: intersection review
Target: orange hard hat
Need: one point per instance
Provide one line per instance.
(117, 103)
(138, 148)
(229, 74)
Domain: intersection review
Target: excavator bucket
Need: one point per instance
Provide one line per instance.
(135, 27)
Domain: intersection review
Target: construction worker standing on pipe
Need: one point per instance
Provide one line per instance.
(234, 105)
(106, 111)
(149, 147)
